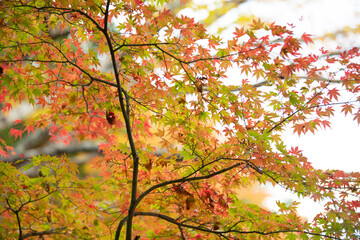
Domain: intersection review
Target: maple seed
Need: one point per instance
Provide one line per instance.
(110, 117)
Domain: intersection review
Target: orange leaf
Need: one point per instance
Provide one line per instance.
(333, 93)
(357, 117)
(347, 109)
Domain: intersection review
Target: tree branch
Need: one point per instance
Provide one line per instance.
(182, 180)
(43, 233)
(134, 154)
(297, 110)
(230, 230)
(16, 212)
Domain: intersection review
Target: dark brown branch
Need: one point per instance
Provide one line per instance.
(181, 180)
(128, 130)
(106, 16)
(207, 59)
(186, 179)
(44, 233)
(230, 230)
(61, 11)
(33, 60)
(16, 212)
(141, 45)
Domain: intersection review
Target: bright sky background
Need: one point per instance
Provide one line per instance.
(335, 148)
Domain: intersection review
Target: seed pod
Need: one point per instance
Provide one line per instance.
(110, 117)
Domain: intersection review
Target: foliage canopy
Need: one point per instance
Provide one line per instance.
(176, 137)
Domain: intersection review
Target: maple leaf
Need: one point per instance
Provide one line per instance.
(7, 107)
(17, 121)
(287, 71)
(347, 108)
(147, 127)
(333, 93)
(29, 129)
(357, 117)
(16, 133)
(326, 124)
(4, 153)
(92, 206)
(295, 151)
(307, 38)
(139, 2)
(239, 32)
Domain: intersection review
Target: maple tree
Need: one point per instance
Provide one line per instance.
(168, 82)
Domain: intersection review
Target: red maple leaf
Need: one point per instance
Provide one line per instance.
(307, 38)
(17, 121)
(16, 133)
(3, 153)
(29, 129)
(139, 2)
